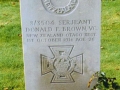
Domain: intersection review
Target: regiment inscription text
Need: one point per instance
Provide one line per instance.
(62, 31)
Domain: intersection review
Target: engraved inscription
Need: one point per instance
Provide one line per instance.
(62, 65)
(50, 7)
(46, 31)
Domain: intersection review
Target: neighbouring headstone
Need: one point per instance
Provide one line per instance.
(61, 43)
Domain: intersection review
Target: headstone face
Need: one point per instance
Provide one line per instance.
(61, 43)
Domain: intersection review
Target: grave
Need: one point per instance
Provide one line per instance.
(61, 43)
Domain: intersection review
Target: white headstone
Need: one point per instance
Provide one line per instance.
(61, 43)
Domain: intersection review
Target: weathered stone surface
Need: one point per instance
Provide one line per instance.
(61, 43)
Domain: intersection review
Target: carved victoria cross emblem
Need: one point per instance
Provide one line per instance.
(61, 65)
(58, 7)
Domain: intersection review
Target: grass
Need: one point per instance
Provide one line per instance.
(11, 62)
(110, 42)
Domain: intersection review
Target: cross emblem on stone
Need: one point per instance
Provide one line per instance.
(61, 65)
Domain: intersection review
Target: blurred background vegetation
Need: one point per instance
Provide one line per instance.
(9, 0)
(11, 58)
